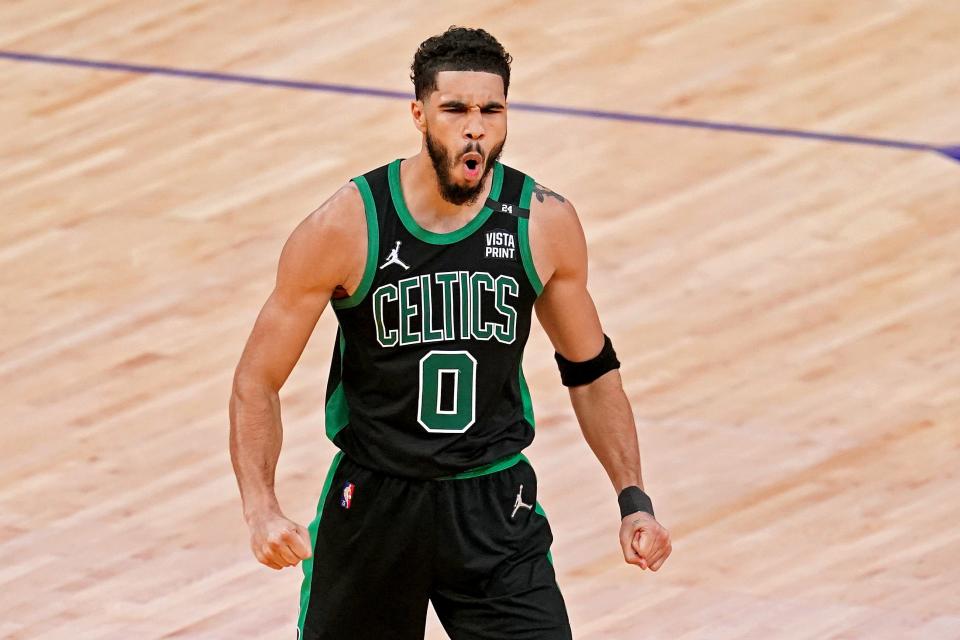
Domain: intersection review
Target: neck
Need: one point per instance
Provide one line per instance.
(421, 188)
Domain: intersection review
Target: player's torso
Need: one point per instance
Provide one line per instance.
(426, 378)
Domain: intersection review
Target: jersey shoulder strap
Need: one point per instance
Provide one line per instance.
(378, 182)
(375, 193)
(514, 201)
(511, 200)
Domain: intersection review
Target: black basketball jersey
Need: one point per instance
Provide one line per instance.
(426, 378)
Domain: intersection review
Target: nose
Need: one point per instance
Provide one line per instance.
(473, 127)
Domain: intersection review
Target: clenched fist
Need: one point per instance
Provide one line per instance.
(644, 541)
(278, 542)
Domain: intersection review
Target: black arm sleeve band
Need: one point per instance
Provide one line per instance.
(633, 499)
(574, 374)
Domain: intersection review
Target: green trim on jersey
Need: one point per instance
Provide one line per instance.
(336, 412)
(432, 237)
(373, 247)
(493, 467)
(314, 526)
(525, 399)
(538, 509)
(523, 224)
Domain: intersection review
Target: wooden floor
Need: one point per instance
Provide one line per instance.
(787, 310)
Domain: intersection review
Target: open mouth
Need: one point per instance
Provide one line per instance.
(472, 162)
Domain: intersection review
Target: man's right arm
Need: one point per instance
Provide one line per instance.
(327, 250)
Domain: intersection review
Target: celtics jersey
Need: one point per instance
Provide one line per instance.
(426, 378)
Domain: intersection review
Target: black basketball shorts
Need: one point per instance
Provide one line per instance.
(476, 545)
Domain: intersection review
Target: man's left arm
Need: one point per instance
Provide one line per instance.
(568, 315)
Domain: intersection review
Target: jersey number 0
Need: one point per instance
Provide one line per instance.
(447, 397)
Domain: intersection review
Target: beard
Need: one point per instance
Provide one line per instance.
(443, 165)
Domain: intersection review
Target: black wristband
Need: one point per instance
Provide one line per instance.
(633, 499)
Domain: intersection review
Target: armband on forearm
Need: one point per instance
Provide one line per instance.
(575, 374)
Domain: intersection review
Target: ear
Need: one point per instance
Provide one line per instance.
(418, 112)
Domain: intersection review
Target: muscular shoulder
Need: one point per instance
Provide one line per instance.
(325, 250)
(556, 236)
(340, 217)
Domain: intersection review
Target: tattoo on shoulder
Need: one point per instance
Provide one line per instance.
(543, 192)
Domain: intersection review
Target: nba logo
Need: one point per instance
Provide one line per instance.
(346, 496)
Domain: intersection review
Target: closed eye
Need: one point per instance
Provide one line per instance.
(460, 107)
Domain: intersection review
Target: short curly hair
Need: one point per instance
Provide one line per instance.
(458, 49)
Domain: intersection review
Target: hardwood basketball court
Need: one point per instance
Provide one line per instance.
(785, 306)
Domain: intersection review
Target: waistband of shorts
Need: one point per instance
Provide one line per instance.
(497, 465)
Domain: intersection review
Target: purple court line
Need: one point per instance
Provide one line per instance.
(596, 114)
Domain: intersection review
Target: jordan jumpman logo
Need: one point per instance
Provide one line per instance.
(394, 258)
(519, 503)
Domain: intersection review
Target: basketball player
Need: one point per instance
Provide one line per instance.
(433, 265)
